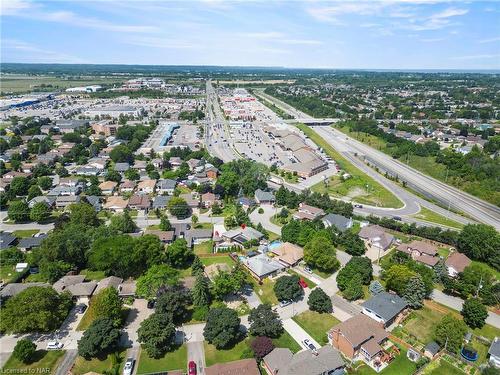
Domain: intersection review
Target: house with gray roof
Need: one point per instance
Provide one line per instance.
(494, 352)
(264, 197)
(261, 266)
(7, 239)
(161, 201)
(94, 201)
(166, 186)
(196, 236)
(242, 235)
(340, 222)
(65, 190)
(431, 349)
(63, 201)
(384, 307)
(122, 167)
(111, 281)
(13, 289)
(48, 200)
(29, 243)
(282, 361)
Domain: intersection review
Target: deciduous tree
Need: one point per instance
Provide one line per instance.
(222, 327)
(265, 322)
(157, 335)
(474, 313)
(101, 337)
(319, 301)
(287, 288)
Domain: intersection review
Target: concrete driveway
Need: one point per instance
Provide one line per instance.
(138, 312)
(298, 333)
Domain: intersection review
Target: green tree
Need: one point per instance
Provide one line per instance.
(157, 335)
(101, 337)
(33, 191)
(107, 304)
(415, 292)
(354, 289)
(112, 175)
(319, 301)
(352, 243)
(201, 291)
(24, 350)
(361, 266)
(222, 327)
(123, 223)
(397, 278)
(480, 242)
(154, 278)
(197, 266)
(174, 302)
(83, 214)
(321, 254)
(178, 253)
(45, 182)
(39, 212)
(474, 313)
(165, 223)
(287, 288)
(132, 174)
(450, 332)
(19, 186)
(178, 207)
(121, 154)
(18, 211)
(265, 322)
(35, 309)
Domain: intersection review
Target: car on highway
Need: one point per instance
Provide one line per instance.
(191, 368)
(303, 283)
(285, 303)
(129, 366)
(54, 345)
(309, 345)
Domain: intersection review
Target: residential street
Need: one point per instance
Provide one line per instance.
(265, 218)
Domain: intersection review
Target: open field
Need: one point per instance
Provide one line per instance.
(316, 324)
(174, 360)
(376, 195)
(428, 215)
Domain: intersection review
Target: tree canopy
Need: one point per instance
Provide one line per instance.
(265, 322)
(319, 301)
(155, 277)
(157, 335)
(101, 337)
(222, 327)
(287, 288)
(320, 253)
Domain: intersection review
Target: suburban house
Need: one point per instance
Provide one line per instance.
(166, 186)
(13, 289)
(108, 187)
(261, 266)
(197, 236)
(65, 190)
(361, 338)
(28, 243)
(116, 204)
(76, 286)
(122, 167)
(127, 186)
(140, 165)
(7, 240)
(111, 281)
(161, 201)
(238, 236)
(376, 237)
(139, 202)
(384, 307)
(63, 201)
(48, 201)
(192, 200)
(245, 202)
(264, 197)
(340, 222)
(208, 200)
(288, 253)
(165, 236)
(420, 251)
(240, 367)
(146, 186)
(282, 361)
(456, 263)
(494, 352)
(212, 172)
(306, 212)
(175, 162)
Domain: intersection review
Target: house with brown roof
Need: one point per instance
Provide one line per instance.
(421, 251)
(456, 263)
(108, 187)
(139, 202)
(146, 186)
(306, 212)
(127, 186)
(191, 199)
(241, 367)
(377, 240)
(165, 236)
(116, 204)
(361, 338)
(288, 254)
(208, 200)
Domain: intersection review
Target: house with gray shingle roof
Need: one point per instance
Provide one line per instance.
(384, 307)
(261, 266)
(264, 197)
(340, 222)
(29, 243)
(6, 240)
(494, 352)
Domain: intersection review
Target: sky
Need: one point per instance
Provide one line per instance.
(357, 34)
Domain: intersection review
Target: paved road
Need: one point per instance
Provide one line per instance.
(196, 353)
(67, 362)
(447, 195)
(265, 218)
(456, 303)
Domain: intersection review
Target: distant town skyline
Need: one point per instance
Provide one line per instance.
(385, 34)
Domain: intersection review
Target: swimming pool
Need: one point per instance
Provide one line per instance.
(274, 245)
(242, 258)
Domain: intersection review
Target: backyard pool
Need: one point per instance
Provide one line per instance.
(274, 245)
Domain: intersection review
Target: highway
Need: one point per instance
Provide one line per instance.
(448, 196)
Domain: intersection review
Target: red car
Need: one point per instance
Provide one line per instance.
(192, 368)
(303, 283)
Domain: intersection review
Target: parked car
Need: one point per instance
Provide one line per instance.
(129, 366)
(303, 283)
(191, 368)
(398, 218)
(80, 309)
(151, 304)
(358, 205)
(285, 303)
(309, 345)
(308, 269)
(54, 345)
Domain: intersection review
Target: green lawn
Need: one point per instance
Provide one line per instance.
(287, 341)
(204, 226)
(420, 324)
(376, 195)
(25, 233)
(204, 248)
(174, 360)
(433, 217)
(444, 252)
(99, 365)
(43, 359)
(264, 291)
(316, 324)
(240, 351)
(399, 366)
(8, 273)
(487, 267)
(441, 367)
(93, 275)
(217, 259)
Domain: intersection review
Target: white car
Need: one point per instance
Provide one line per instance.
(285, 303)
(54, 345)
(129, 366)
(309, 345)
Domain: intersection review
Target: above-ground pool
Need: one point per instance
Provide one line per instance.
(469, 354)
(274, 245)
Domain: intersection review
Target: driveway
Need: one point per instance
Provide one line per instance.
(298, 333)
(138, 312)
(196, 353)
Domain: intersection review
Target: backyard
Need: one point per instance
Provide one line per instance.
(98, 365)
(208, 260)
(42, 360)
(174, 360)
(316, 324)
(401, 365)
(204, 248)
(264, 291)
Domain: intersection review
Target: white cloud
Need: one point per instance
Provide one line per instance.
(278, 37)
(37, 54)
(13, 7)
(477, 57)
(490, 40)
